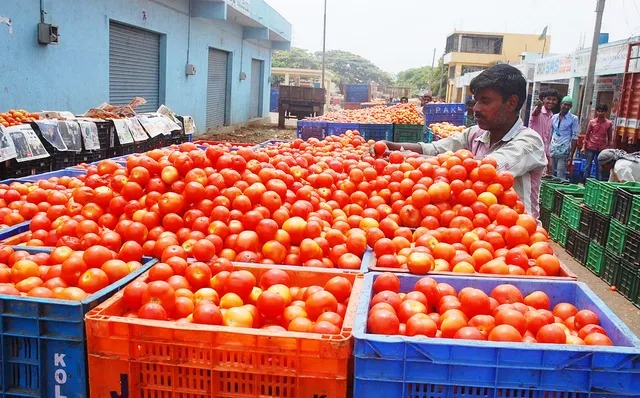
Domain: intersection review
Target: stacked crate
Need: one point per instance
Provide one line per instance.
(612, 219)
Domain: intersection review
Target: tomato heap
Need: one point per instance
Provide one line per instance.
(454, 213)
(399, 114)
(445, 129)
(64, 273)
(15, 117)
(219, 294)
(21, 201)
(435, 309)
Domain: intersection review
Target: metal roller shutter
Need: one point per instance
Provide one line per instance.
(217, 88)
(134, 66)
(255, 107)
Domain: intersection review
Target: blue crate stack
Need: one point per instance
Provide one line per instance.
(438, 113)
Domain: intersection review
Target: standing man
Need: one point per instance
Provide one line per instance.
(564, 137)
(597, 138)
(540, 120)
(469, 118)
(500, 134)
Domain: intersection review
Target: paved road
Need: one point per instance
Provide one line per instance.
(629, 313)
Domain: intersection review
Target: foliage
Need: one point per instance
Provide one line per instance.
(295, 58)
(423, 79)
(346, 67)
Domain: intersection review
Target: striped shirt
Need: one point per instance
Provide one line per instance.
(520, 152)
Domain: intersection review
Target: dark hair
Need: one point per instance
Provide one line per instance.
(470, 102)
(602, 107)
(550, 93)
(503, 78)
(404, 98)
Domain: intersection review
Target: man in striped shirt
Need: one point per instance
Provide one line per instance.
(500, 92)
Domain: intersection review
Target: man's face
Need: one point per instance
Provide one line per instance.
(601, 114)
(490, 111)
(565, 107)
(550, 102)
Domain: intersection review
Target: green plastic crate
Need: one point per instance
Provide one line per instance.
(627, 281)
(548, 189)
(571, 211)
(634, 216)
(616, 238)
(595, 258)
(558, 230)
(408, 133)
(599, 195)
(610, 264)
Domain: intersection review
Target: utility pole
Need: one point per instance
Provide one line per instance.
(441, 76)
(433, 61)
(324, 40)
(588, 87)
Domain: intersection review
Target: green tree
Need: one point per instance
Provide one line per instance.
(295, 58)
(352, 68)
(423, 79)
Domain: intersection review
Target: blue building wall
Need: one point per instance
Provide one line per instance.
(74, 75)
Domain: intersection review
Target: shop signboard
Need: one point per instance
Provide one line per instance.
(553, 68)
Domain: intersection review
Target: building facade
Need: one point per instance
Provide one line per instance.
(207, 59)
(468, 52)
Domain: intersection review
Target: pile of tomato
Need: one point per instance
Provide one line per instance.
(14, 117)
(21, 201)
(217, 293)
(398, 114)
(63, 273)
(314, 203)
(435, 309)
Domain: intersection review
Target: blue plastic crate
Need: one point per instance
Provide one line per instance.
(68, 172)
(445, 109)
(376, 132)
(455, 119)
(399, 366)
(311, 129)
(357, 93)
(14, 230)
(341, 128)
(44, 342)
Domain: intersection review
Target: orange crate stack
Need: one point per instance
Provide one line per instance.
(146, 358)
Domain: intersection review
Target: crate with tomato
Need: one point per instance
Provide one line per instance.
(44, 296)
(215, 330)
(482, 337)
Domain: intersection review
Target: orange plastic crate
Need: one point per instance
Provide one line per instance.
(143, 358)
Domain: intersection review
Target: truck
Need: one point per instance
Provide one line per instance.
(299, 102)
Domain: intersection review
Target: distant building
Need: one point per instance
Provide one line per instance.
(473, 51)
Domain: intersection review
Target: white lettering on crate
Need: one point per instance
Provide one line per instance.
(60, 375)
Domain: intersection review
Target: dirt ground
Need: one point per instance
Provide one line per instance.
(253, 134)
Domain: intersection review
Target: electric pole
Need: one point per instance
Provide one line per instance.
(324, 40)
(589, 83)
(433, 61)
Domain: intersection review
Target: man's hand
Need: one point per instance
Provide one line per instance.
(539, 103)
(583, 150)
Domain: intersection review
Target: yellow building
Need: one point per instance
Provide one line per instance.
(472, 51)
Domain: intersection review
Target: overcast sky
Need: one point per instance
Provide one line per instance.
(398, 35)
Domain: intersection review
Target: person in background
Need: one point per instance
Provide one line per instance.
(540, 120)
(623, 166)
(426, 99)
(500, 134)
(565, 128)
(404, 100)
(470, 119)
(597, 138)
